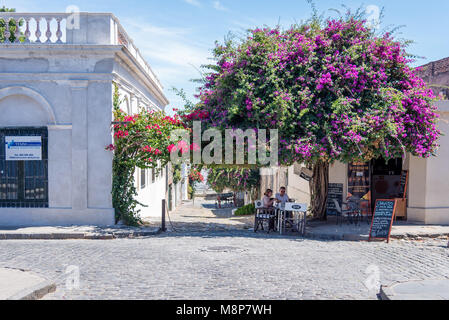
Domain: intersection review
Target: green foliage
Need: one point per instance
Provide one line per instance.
(140, 141)
(176, 173)
(235, 179)
(195, 177)
(12, 27)
(247, 210)
(191, 191)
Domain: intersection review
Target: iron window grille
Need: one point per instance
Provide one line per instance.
(24, 184)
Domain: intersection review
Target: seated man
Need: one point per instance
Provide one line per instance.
(282, 197)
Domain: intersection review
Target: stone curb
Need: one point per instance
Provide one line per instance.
(336, 237)
(355, 237)
(388, 292)
(78, 236)
(36, 292)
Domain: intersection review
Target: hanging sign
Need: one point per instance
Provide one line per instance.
(306, 174)
(382, 222)
(23, 148)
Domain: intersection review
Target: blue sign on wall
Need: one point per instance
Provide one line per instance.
(23, 148)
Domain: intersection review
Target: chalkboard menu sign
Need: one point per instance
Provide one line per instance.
(403, 182)
(382, 220)
(335, 192)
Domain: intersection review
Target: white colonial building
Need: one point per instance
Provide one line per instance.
(56, 91)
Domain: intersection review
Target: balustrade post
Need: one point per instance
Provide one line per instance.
(48, 32)
(59, 32)
(7, 31)
(27, 30)
(17, 31)
(38, 30)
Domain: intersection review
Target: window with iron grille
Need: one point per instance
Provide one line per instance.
(24, 184)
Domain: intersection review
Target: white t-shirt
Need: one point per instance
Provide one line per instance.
(283, 199)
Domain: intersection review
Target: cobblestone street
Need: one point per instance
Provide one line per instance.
(203, 216)
(226, 265)
(208, 254)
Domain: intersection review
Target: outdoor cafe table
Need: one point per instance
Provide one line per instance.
(281, 215)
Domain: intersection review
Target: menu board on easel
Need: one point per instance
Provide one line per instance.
(382, 220)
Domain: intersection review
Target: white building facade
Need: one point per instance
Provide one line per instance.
(56, 91)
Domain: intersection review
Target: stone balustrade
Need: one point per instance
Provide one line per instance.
(80, 28)
(33, 27)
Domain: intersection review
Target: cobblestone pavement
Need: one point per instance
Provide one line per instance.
(203, 216)
(226, 265)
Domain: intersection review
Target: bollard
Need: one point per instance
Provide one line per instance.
(163, 228)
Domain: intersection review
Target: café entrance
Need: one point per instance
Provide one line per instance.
(386, 179)
(378, 179)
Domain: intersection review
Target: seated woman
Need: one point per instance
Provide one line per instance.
(268, 202)
(267, 199)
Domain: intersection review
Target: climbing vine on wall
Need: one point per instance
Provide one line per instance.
(141, 141)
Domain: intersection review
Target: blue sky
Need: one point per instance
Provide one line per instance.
(176, 36)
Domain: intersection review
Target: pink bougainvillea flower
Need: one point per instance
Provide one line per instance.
(195, 147)
(172, 148)
(183, 146)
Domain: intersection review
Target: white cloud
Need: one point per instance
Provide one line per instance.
(218, 6)
(175, 54)
(195, 3)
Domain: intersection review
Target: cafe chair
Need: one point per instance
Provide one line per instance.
(263, 216)
(351, 212)
(365, 211)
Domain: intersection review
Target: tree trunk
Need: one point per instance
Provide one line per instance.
(318, 190)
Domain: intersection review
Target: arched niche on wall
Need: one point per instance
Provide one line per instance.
(24, 107)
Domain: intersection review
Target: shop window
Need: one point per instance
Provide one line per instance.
(24, 168)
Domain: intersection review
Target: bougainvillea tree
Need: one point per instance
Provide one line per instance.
(234, 179)
(140, 141)
(334, 89)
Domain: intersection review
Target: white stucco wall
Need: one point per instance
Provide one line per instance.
(152, 194)
(79, 169)
(69, 92)
(298, 188)
(68, 89)
(429, 180)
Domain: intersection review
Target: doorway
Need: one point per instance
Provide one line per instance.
(386, 179)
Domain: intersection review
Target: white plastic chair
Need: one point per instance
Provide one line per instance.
(263, 215)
